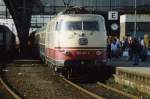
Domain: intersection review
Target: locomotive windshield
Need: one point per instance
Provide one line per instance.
(90, 25)
(81, 25)
(73, 25)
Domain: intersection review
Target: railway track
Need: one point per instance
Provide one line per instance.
(9, 93)
(101, 91)
(36, 80)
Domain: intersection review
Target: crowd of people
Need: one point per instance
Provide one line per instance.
(133, 48)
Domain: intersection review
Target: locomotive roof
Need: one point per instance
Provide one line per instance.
(84, 16)
(81, 14)
(78, 15)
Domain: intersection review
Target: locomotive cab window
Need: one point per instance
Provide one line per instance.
(81, 25)
(77, 25)
(91, 25)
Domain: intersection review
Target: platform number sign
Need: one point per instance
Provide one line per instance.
(112, 15)
(113, 23)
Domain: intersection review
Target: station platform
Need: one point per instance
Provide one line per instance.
(132, 75)
(142, 67)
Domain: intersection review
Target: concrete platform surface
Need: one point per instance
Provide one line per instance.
(141, 68)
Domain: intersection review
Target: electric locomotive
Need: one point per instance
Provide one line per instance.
(71, 40)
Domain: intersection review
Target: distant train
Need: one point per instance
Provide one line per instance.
(73, 40)
(7, 43)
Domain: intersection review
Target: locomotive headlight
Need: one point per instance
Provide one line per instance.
(98, 53)
(67, 53)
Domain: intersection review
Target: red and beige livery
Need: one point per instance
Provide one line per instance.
(73, 39)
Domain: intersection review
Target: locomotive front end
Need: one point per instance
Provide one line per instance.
(81, 40)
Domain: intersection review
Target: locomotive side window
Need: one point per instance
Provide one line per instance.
(73, 25)
(91, 25)
(58, 26)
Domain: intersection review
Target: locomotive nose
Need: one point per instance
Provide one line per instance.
(83, 41)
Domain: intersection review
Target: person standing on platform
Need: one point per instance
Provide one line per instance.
(143, 55)
(136, 47)
(130, 51)
(146, 40)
